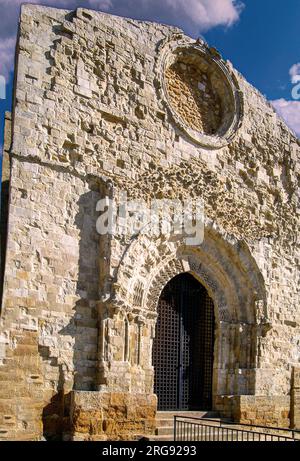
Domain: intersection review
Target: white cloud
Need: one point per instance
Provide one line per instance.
(290, 112)
(295, 73)
(102, 5)
(195, 16)
(205, 13)
(7, 47)
(198, 15)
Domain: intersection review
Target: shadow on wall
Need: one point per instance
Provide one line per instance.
(3, 233)
(83, 325)
(56, 413)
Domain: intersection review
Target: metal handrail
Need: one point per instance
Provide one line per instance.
(252, 429)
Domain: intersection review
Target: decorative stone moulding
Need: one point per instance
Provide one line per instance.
(200, 91)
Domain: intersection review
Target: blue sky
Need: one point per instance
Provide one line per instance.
(260, 37)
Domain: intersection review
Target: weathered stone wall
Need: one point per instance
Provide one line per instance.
(257, 410)
(90, 117)
(5, 194)
(49, 319)
(112, 416)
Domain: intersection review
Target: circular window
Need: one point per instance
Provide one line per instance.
(202, 95)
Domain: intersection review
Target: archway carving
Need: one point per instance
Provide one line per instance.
(222, 264)
(226, 268)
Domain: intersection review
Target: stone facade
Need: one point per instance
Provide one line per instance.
(95, 114)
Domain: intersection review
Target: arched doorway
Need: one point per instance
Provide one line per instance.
(183, 346)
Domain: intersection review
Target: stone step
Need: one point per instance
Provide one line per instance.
(164, 430)
(195, 414)
(165, 427)
(161, 438)
(165, 420)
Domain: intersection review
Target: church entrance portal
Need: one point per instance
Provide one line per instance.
(183, 346)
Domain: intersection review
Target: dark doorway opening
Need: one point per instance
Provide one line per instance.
(183, 346)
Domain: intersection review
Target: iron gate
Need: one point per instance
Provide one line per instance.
(183, 346)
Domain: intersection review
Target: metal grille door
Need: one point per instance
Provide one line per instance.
(183, 346)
